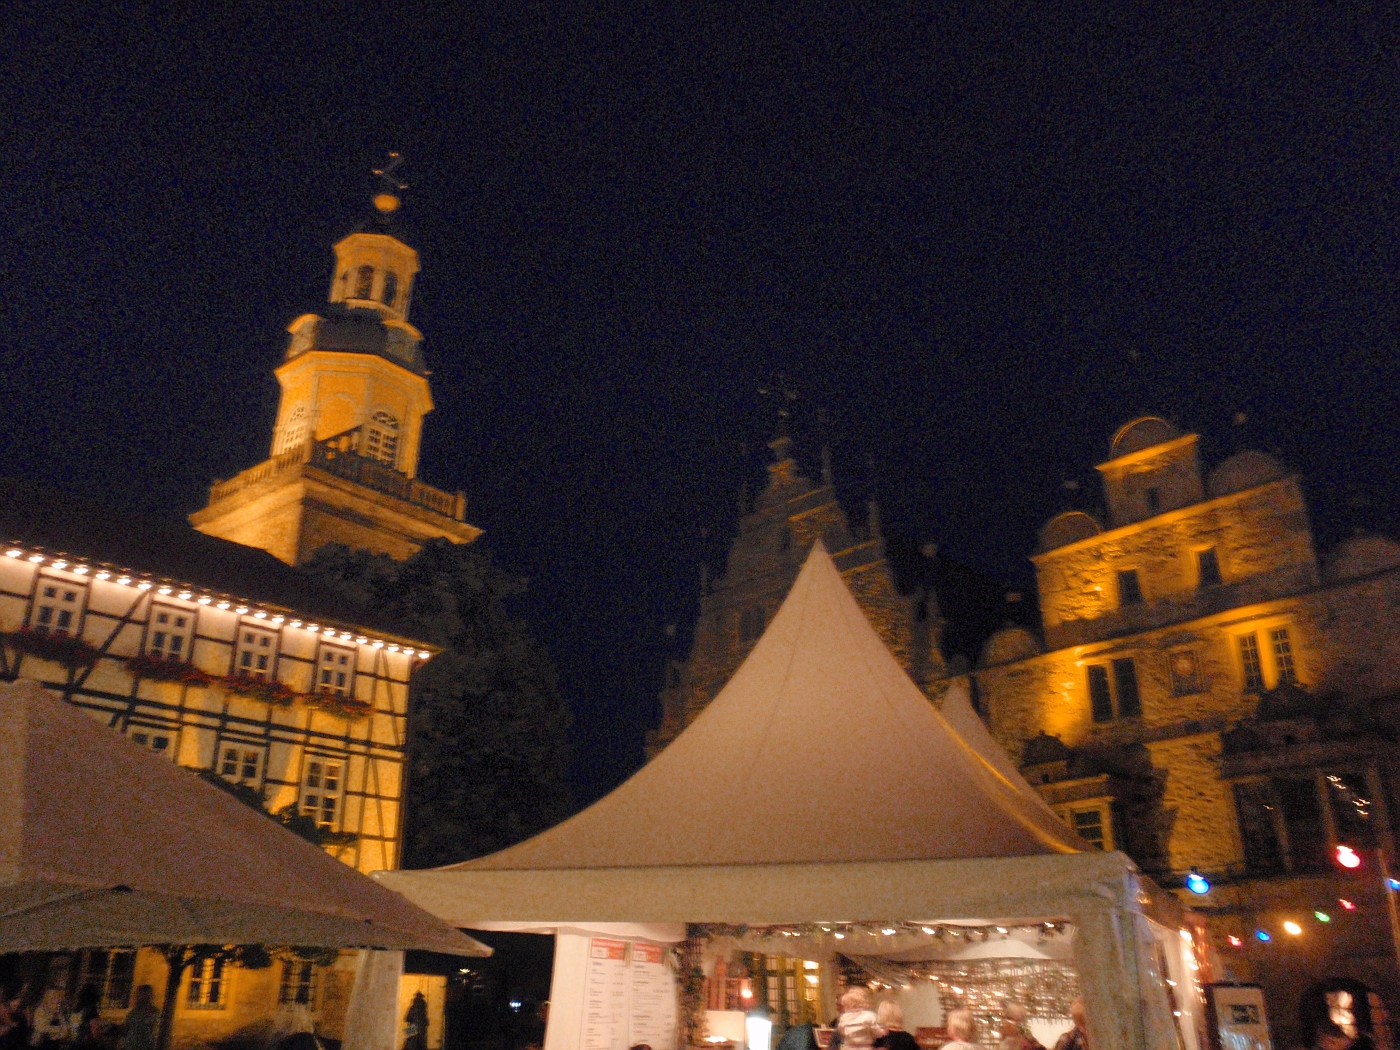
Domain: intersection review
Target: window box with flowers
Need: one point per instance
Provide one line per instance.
(73, 653)
(266, 690)
(335, 704)
(160, 669)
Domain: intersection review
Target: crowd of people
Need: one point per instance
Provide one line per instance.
(48, 1019)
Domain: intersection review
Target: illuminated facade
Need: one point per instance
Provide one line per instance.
(1207, 696)
(789, 515)
(219, 658)
(344, 456)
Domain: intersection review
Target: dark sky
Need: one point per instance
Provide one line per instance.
(980, 237)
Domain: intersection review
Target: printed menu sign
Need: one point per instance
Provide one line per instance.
(629, 997)
(653, 1000)
(605, 996)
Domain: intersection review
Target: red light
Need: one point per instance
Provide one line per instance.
(1347, 858)
(1235, 942)
(1348, 905)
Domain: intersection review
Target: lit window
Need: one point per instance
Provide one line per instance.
(207, 991)
(240, 764)
(391, 288)
(1283, 655)
(382, 438)
(58, 606)
(336, 670)
(320, 791)
(171, 633)
(1250, 664)
(1207, 568)
(364, 282)
(1116, 699)
(298, 983)
(257, 653)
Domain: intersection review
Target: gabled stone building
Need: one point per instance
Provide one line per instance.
(1208, 697)
(788, 516)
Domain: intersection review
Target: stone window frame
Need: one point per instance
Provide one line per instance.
(1199, 556)
(1102, 806)
(208, 985)
(1133, 573)
(1114, 672)
(1274, 669)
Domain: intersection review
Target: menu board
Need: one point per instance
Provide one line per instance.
(605, 996)
(652, 1009)
(629, 997)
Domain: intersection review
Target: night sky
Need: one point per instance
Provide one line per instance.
(977, 237)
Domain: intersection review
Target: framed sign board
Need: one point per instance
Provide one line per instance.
(1235, 1017)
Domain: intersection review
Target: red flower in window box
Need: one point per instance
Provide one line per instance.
(162, 670)
(60, 648)
(344, 706)
(266, 690)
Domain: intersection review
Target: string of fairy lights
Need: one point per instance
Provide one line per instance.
(269, 616)
(858, 932)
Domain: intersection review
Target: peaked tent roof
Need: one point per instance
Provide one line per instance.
(819, 749)
(104, 843)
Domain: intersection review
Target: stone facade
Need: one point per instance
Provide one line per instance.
(790, 515)
(1207, 697)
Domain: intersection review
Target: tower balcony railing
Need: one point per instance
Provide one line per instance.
(341, 457)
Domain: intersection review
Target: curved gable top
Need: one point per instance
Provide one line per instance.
(820, 749)
(1141, 433)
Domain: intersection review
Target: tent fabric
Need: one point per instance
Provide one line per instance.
(819, 749)
(103, 843)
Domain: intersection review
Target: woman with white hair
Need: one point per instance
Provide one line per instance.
(962, 1028)
(890, 1016)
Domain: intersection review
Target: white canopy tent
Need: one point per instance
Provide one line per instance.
(821, 785)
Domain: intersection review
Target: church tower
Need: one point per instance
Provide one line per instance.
(344, 454)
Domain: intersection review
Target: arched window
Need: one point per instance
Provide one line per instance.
(382, 438)
(292, 432)
(364, 282)
(391, 288)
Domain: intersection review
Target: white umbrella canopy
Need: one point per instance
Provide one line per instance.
(103, 844)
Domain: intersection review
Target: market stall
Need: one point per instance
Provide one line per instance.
(818, 798)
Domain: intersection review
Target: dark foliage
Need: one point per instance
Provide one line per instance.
(487, 734)
(288, 816)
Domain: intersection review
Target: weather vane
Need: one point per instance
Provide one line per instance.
(387, 199)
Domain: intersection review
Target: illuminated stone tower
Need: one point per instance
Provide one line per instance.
(344, 453)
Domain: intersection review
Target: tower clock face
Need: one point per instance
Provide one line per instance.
(1184, 664)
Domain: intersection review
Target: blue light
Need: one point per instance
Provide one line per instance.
(1197, 883)
(1263, 935)
(1394, 884)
